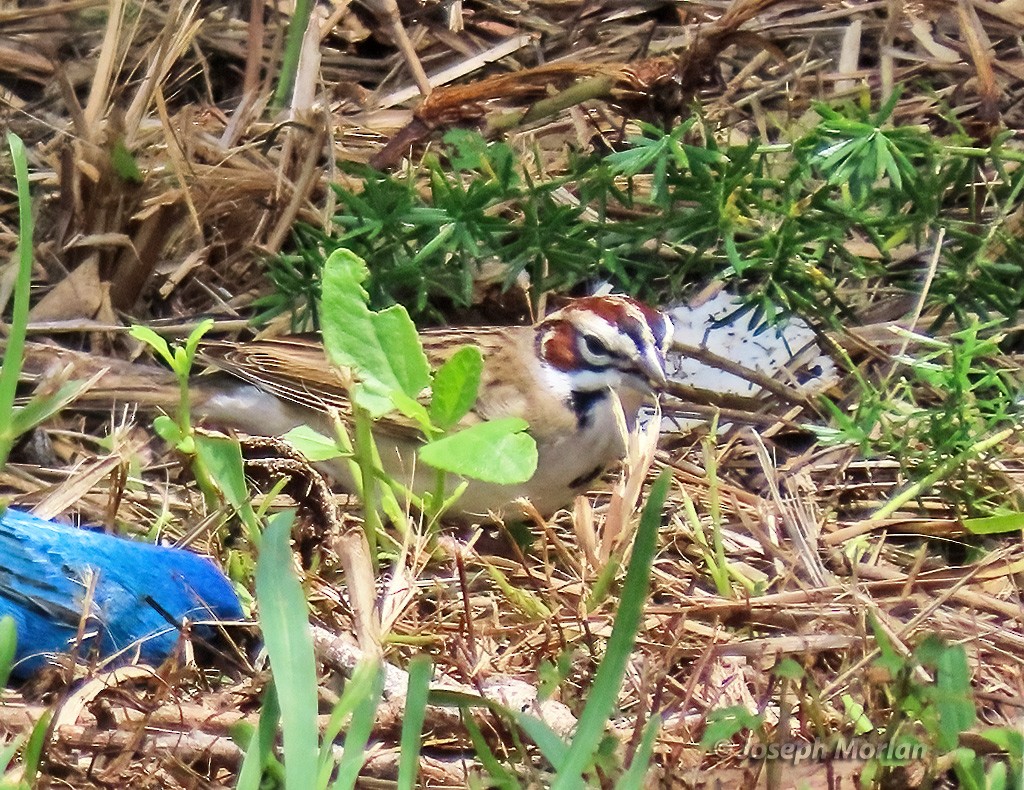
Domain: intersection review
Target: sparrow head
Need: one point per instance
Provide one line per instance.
(607, 341)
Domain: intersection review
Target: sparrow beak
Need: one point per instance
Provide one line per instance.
(652, 364)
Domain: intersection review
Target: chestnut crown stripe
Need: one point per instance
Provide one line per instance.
(600, 333)
(644, 325)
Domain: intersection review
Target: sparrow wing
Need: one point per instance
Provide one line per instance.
(296, 369)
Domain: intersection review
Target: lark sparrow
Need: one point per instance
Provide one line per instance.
(563, 376)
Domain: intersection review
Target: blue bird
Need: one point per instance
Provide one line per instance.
(141, 592)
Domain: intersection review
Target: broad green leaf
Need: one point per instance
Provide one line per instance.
(221, 458)
(414, 410)
(375, 398)
(953, 696)
(790, 669)
(723, 723)
(313, 444)
(284, 621)
(455, 387)
(154, 341)
(497, 451)
(383, 349)
(401, 342)
(168, 430)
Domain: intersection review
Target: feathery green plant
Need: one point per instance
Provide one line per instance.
(671, 208)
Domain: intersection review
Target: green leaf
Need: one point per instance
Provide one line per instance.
(520, 597)
(953, 698)
(497, 451)
(500, 776)
(168, 430)
(1010, 522)
(221, 457)
(358, 687)
(33, 754)
(1006, 738)
(414, 410)
(855, 712)
(313, 444)
(41, 407)
(724, 723)
(7, 754)
(154, 341)
(634, 778)
(888, 659)
(123, 162)
(284, 621)
(551, 746)
(455, 387)
(383, 349)
(194, 338)
(790, 669)
(14, 348)
(401, 343)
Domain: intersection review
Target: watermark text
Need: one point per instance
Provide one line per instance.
(822, 750)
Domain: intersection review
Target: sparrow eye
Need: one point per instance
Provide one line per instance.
(595, 346)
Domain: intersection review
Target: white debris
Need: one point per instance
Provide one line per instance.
(786, 351)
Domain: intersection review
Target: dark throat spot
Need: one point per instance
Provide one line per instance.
(583, 403)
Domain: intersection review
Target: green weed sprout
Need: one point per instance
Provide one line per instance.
(383, 350)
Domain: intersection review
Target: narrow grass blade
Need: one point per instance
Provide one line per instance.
(634, 778)
(500, 776)
(9, 752)
(355, 690)
(285, 625)
(8, 647)
(551, 746)
(15, 347)
(260, 743)
(605, 691)
(412, 726)
(33, 753)
(293, 47)
(359, 730)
